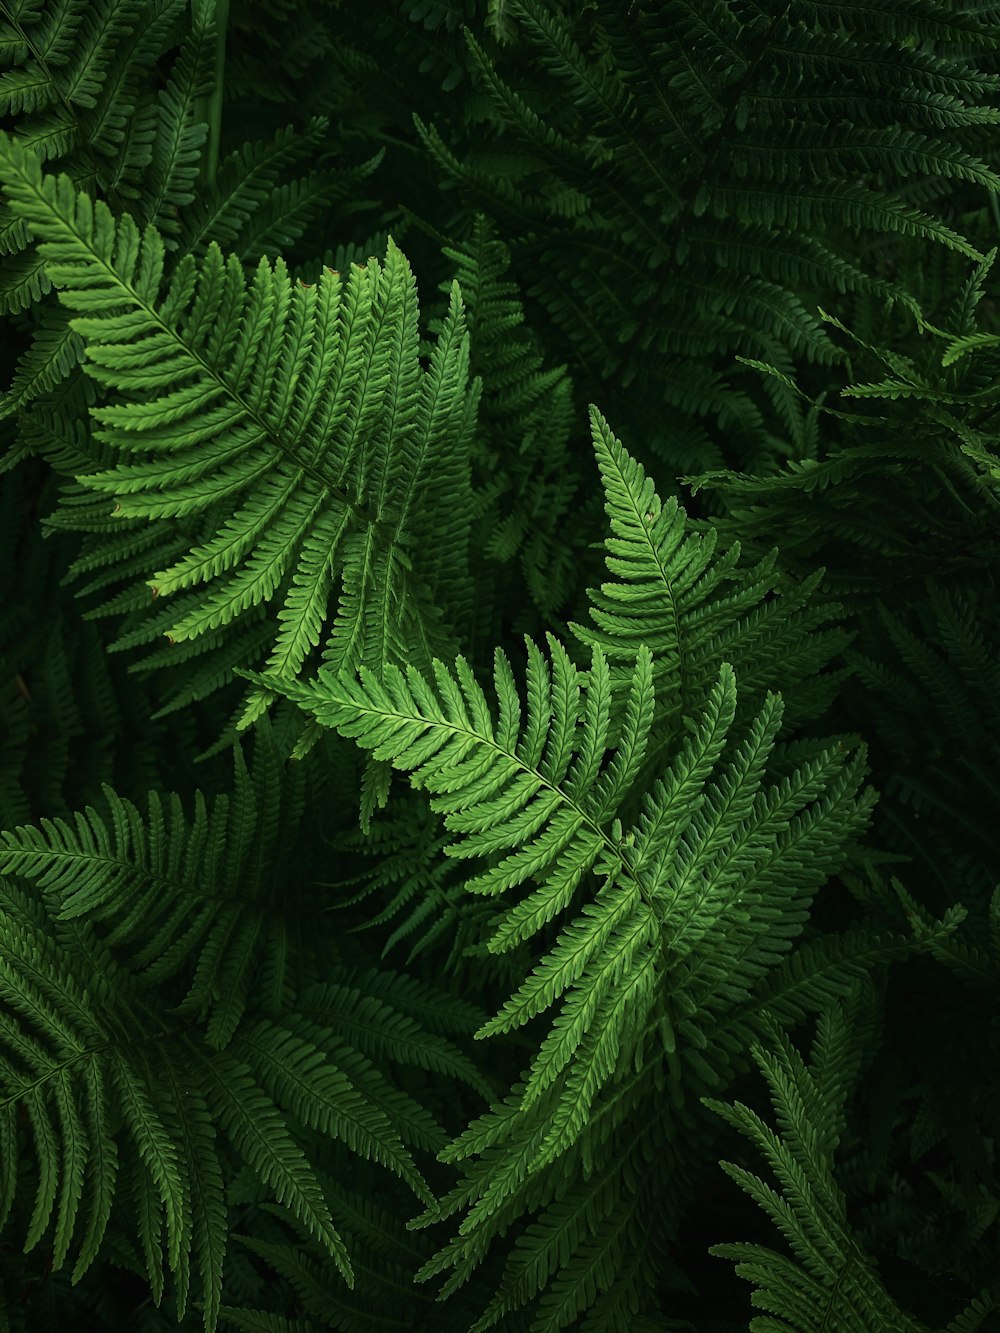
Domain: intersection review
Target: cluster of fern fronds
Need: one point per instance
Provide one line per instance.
(499, 687)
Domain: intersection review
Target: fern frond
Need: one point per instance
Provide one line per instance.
(64, 57)
(524, 424)
(338, 1093)
(831, 1282)
(174, 154)
(75, 94)
(299, 415)
(80, 1035)
(539, 796)
(194, 889)
(243, 182)
(121, 1086)
(693, 608)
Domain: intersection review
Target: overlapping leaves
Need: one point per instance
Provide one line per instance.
(537, 796)
(293, 422)
(126, 1094)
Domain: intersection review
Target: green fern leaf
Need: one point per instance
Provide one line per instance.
(298, 415)
(174, 889)
(831, 1282)
(528, 793)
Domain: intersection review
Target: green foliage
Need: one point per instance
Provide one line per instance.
(539, 792)
(834, 1283)
(95, 1046)
(684, 181)
(286, 401)
(316, 651)
(525, 419)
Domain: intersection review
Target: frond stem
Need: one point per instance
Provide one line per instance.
(209, 109)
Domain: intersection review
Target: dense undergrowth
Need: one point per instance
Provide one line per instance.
(499, 697)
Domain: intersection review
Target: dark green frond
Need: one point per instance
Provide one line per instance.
(830, 1282)
(105, 1103)
(650, 149)
(692, 608)
(180, 893)
(525, 417)
(175, 151)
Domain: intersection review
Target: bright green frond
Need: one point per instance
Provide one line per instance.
(691, 606)
(521, 785)
(297, 414)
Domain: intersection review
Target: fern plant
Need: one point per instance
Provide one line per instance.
(126, 1095)
(287, 398)
(685, 182)
(525, 417)
(831, 1283)
(689, 905)
(636, 849)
